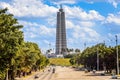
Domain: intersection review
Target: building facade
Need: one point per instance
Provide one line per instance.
(61, 43)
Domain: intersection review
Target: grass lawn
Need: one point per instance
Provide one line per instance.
(60, 61)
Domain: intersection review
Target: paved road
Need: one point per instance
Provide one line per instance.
(67, 73)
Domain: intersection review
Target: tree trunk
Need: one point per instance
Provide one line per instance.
(7, 74)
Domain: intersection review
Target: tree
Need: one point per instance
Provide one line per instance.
(32, 59)
(77, 50)
(10, 40)
(69, 55)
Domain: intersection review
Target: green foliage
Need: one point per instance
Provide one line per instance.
(72, 61)
(88, 58)
(75, 59)
(2, 75)
(60, 61)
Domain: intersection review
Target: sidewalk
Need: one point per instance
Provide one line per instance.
(31, 76)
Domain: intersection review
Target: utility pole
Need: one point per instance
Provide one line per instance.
(97, 59)
(104, 42)
(111, 42)
(117, 55)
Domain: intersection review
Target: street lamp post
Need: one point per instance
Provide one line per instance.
(104, 65)
(49, 45)
(84, 45)
(117, 55)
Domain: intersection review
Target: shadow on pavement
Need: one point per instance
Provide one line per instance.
(97, 74)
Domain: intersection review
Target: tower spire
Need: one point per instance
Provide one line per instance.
(61, 8)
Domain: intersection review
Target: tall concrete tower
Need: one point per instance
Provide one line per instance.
(61, 43)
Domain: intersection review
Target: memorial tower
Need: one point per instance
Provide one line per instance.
(61, 43)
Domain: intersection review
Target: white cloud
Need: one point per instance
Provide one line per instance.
(94, 15)
(52, 21)
(29, 8)
(47, 31)
(31, 35)
(69, 24)
(30, 29)
(76, 12)
(114, 2)
(70, 40)
(85, 34)
(46, 41)
(113, 19)
(63, 2)
(35, 8)
(86, 24)
(29, 24)
(35, 30)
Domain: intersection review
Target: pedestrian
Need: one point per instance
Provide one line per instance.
(53, 70)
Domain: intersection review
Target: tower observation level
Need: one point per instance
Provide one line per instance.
(61, 43)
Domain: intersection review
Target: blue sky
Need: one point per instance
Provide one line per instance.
(90, 21)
